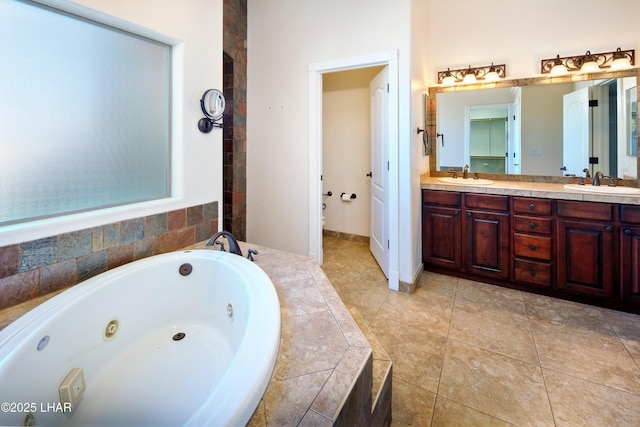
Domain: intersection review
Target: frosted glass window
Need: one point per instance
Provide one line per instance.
(84, 114)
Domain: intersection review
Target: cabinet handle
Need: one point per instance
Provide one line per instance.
(627, 231)
(608, 228)
(532, 247)
(469, 214)
(456, 212)
(532, 206)
(532, 225)
(532, 273)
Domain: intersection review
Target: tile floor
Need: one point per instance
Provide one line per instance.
(466, 353)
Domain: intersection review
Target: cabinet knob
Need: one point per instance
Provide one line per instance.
(532, 225)
(532, 247)
(532, 206)
(627, 231)
(532, 273)
(608, 228)
(468, 214)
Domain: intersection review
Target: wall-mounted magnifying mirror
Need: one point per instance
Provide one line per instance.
(212, 104)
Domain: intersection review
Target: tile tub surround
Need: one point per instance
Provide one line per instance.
(36, 268)
(324, 371)
(542, 190)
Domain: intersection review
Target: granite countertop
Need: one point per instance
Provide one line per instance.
(322, 350)
(529, 189)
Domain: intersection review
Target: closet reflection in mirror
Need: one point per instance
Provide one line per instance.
(550, 129)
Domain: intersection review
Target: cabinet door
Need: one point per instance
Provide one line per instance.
(630, 264)
(487, 243)
(441, 237)
(586, 258)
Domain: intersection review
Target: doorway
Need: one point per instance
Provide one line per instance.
(488, 138)
(354, 157)
(316, 72)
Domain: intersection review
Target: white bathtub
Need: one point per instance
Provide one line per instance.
(227, 309)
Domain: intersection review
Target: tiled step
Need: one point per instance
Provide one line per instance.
(382, 365)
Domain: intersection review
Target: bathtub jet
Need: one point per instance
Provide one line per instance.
(154, 346)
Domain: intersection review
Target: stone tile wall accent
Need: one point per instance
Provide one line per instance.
(235, 141)
(35, 268)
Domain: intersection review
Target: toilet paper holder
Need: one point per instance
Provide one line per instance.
(352, 196)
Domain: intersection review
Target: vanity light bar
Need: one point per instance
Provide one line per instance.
(563, 64)
(485, 73)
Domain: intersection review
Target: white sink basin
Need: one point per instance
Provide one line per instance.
(469, 181)
(603, 189)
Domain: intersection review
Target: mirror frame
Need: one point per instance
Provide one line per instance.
(431, 117)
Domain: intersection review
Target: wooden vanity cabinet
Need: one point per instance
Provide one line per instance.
(441, 229)
(486, 235)
(630, 254)
(587, 251)
(532, 244)
(579, 250)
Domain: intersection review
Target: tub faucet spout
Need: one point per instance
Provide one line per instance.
(233, 243)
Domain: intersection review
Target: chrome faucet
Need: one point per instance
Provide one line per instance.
(465, 172)
(233, 243)
(596, 178)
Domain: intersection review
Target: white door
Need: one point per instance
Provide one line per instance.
(515, 130)
(379, 235)
(575, 132)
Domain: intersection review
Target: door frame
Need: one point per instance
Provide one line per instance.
(316, 70)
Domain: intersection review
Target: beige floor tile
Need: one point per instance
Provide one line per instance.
(448, 413)
(627, 328)
(424, 310)
(568, 313)
(490, 296)
(490, 335)
(587, 354)
(416, 355)
(434, 283)
(493, 329)
(576, 402)
(497, 385)
(411, 405)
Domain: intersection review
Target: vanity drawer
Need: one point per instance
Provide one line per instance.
(532, 272)
(486, 202)
(531, 206)
(538, 247)
(585, 210)
(630, 214)
(441, 198)
(526, 224)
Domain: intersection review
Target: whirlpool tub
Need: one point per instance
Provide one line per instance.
(185, 338)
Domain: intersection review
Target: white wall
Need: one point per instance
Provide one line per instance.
(521, 33)
(346, 154)
(196, 27)
(284, 38)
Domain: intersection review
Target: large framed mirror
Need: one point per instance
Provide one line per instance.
(542, 128)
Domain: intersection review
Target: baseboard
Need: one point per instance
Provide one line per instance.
(345, 236)
(409, 288)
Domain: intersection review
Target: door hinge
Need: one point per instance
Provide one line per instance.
(387, 165)
(388, 245)
(593, 103)
(387, 87)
